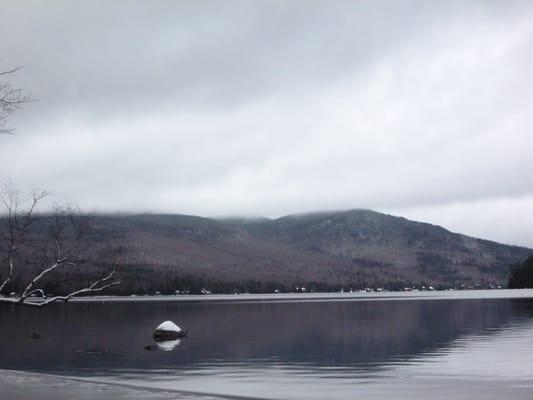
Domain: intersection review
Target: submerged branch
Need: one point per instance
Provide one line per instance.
(26, 299)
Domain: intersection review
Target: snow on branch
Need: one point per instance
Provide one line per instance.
(34, 247)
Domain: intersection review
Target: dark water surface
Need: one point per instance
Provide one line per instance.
(455, 346)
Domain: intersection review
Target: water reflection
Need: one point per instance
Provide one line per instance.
(167, 345)
(238, 348)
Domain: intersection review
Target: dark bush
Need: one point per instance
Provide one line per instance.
(522, 275)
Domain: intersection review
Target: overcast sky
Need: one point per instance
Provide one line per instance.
(418, 108)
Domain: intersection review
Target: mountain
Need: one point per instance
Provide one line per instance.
(323, 251)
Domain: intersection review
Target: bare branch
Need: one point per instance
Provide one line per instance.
(94, 287)
(29, 215)
(45, 244)
(11, 71)
(38, 278)
(11, 100)
(13, 236)
(40, 291)
(4, 284)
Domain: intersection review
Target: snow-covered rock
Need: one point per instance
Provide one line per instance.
(168, 330)
(168, 326)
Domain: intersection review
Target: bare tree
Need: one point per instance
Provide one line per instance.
(11, 99)
(34, 247)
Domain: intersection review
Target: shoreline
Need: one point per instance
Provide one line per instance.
(22, 385)
(468, 294)
(323, 296)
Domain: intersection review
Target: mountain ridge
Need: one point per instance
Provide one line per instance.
(322, 251)
(350, 248)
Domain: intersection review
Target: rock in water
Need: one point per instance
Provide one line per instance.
(168, 330)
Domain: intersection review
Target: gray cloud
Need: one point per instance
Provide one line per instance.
(221, 108)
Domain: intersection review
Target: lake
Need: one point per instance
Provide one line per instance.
(471, 345)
